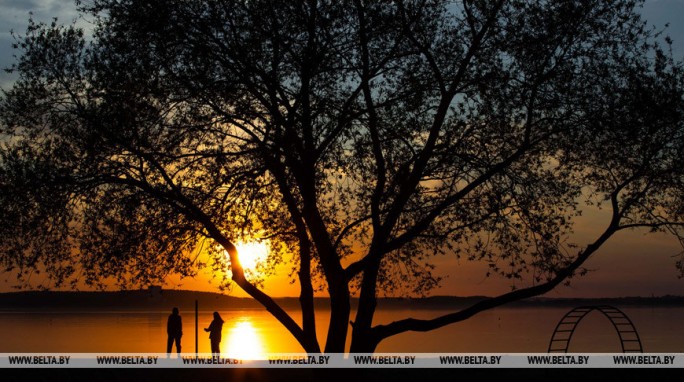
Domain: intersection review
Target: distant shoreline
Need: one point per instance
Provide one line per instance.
(158, 299)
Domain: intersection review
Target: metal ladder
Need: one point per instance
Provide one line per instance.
(629, 338)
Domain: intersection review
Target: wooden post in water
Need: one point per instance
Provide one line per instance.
(196, 326)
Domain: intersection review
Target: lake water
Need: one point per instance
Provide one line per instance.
(251, 333)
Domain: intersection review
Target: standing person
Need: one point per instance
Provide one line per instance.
(214, 330)
(174, 329)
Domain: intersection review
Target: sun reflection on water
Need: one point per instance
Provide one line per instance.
(243, 341)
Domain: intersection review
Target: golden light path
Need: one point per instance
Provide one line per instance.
(251, 254)
(242, 341)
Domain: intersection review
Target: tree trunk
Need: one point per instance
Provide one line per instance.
(306, 295)
(340, 309)
(363, 338)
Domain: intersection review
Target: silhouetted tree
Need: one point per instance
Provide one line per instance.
(362, 138)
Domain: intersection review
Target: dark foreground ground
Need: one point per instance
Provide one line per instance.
(350, 375)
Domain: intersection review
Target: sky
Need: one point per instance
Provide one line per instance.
(632, 263)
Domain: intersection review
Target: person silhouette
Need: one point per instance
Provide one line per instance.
(174, 329)
(214, 330)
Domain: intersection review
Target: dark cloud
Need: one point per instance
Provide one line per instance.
(22, 5)
(659, 13)
(14, 15)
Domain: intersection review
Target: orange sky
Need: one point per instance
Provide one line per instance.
(631, 263)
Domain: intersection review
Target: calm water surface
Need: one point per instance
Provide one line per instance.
(251, 333)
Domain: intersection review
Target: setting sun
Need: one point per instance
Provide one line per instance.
(251, 254)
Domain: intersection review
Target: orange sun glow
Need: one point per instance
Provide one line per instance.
(251, 254)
